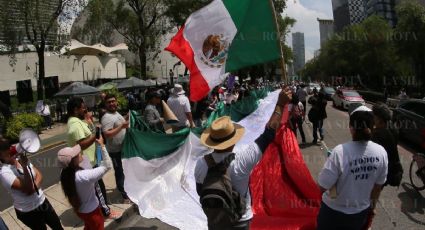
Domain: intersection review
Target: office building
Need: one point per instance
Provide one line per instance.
(326, 28)
(298, 47)
(348, 12)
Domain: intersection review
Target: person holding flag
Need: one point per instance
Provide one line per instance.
(222, 137)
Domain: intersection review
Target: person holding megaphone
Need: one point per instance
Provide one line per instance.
(31, 205)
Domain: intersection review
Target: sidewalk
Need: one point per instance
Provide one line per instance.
(51, 138)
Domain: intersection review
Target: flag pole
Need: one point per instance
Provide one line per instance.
(282, 59)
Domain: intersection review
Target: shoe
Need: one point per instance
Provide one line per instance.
(114, 215)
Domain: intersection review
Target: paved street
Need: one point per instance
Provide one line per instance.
(399, 208)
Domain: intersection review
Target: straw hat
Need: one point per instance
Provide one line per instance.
(222, 134)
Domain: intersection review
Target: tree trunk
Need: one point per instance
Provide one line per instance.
(142, 59)
(41, 72)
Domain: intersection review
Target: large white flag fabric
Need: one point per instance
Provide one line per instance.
(165, 188)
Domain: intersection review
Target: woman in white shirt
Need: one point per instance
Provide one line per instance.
(31, 206)
(357, 169)
(78, 184)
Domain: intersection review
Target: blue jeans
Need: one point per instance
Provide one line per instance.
(3, 226)
(317, 126)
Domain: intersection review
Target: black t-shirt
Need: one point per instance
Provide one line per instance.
(386, 139)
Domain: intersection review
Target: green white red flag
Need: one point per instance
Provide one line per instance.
(225, 36)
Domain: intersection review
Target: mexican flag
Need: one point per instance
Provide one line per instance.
(225, 36)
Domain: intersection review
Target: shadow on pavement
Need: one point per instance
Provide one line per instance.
(69, 218)
(412, 202)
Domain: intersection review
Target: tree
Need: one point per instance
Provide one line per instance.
(411, 36)
(36, 22)
(96, 28)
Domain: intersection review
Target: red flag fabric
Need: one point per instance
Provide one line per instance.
(284, 194)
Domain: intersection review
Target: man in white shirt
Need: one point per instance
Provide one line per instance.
(222, 137)
(180, 106)
(114, 127)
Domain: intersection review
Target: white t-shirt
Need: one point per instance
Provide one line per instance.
(240, 170)
(112, 121)
(180, 105)
(85, 181)
(21, 201)
(355, 167)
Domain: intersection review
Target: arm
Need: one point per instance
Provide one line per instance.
(24, 185)
(150, 117)
(188, 112)
(86, 142)
(374, 195)
(112, 132)
(190, 118)
(38, 177)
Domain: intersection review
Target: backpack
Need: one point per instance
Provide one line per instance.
(221, 203)
(296, 112)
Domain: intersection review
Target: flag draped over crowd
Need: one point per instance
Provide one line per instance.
(225, 36)
(159, 171)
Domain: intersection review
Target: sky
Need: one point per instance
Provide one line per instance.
(306, 13)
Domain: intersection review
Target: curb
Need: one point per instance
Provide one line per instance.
(125, 216)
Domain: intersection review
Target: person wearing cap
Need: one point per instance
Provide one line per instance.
(357, 169)
(180, 106)
(222, 137)
(151, 114)
(31, 206)
(78, 184)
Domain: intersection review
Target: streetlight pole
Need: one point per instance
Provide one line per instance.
(117, 68)
(83, 70)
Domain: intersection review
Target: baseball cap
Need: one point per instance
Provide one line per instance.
(65, 155)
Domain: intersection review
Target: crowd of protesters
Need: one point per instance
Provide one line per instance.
(94, 149)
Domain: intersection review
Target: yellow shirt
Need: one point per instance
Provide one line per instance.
(78, 130)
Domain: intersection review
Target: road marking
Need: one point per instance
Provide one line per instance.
(46, 150)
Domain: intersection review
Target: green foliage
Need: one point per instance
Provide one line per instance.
(21, 121)
(366, 51)
(122, 101)
(410, 32)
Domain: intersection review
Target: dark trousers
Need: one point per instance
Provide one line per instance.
(3, 225)
(39, 217)
(100, 190)
(48, 121)
(329, 219)
(243, 225)
(119, 173)
(297, 123)
(305, 106)
(317, 126)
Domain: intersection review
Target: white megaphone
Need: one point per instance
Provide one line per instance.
(29, 142)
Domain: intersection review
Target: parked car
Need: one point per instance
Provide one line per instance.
(343, 98)
(409, 120)
(329, 92)
(311, 86)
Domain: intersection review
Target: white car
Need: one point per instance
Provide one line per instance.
(343, 98)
